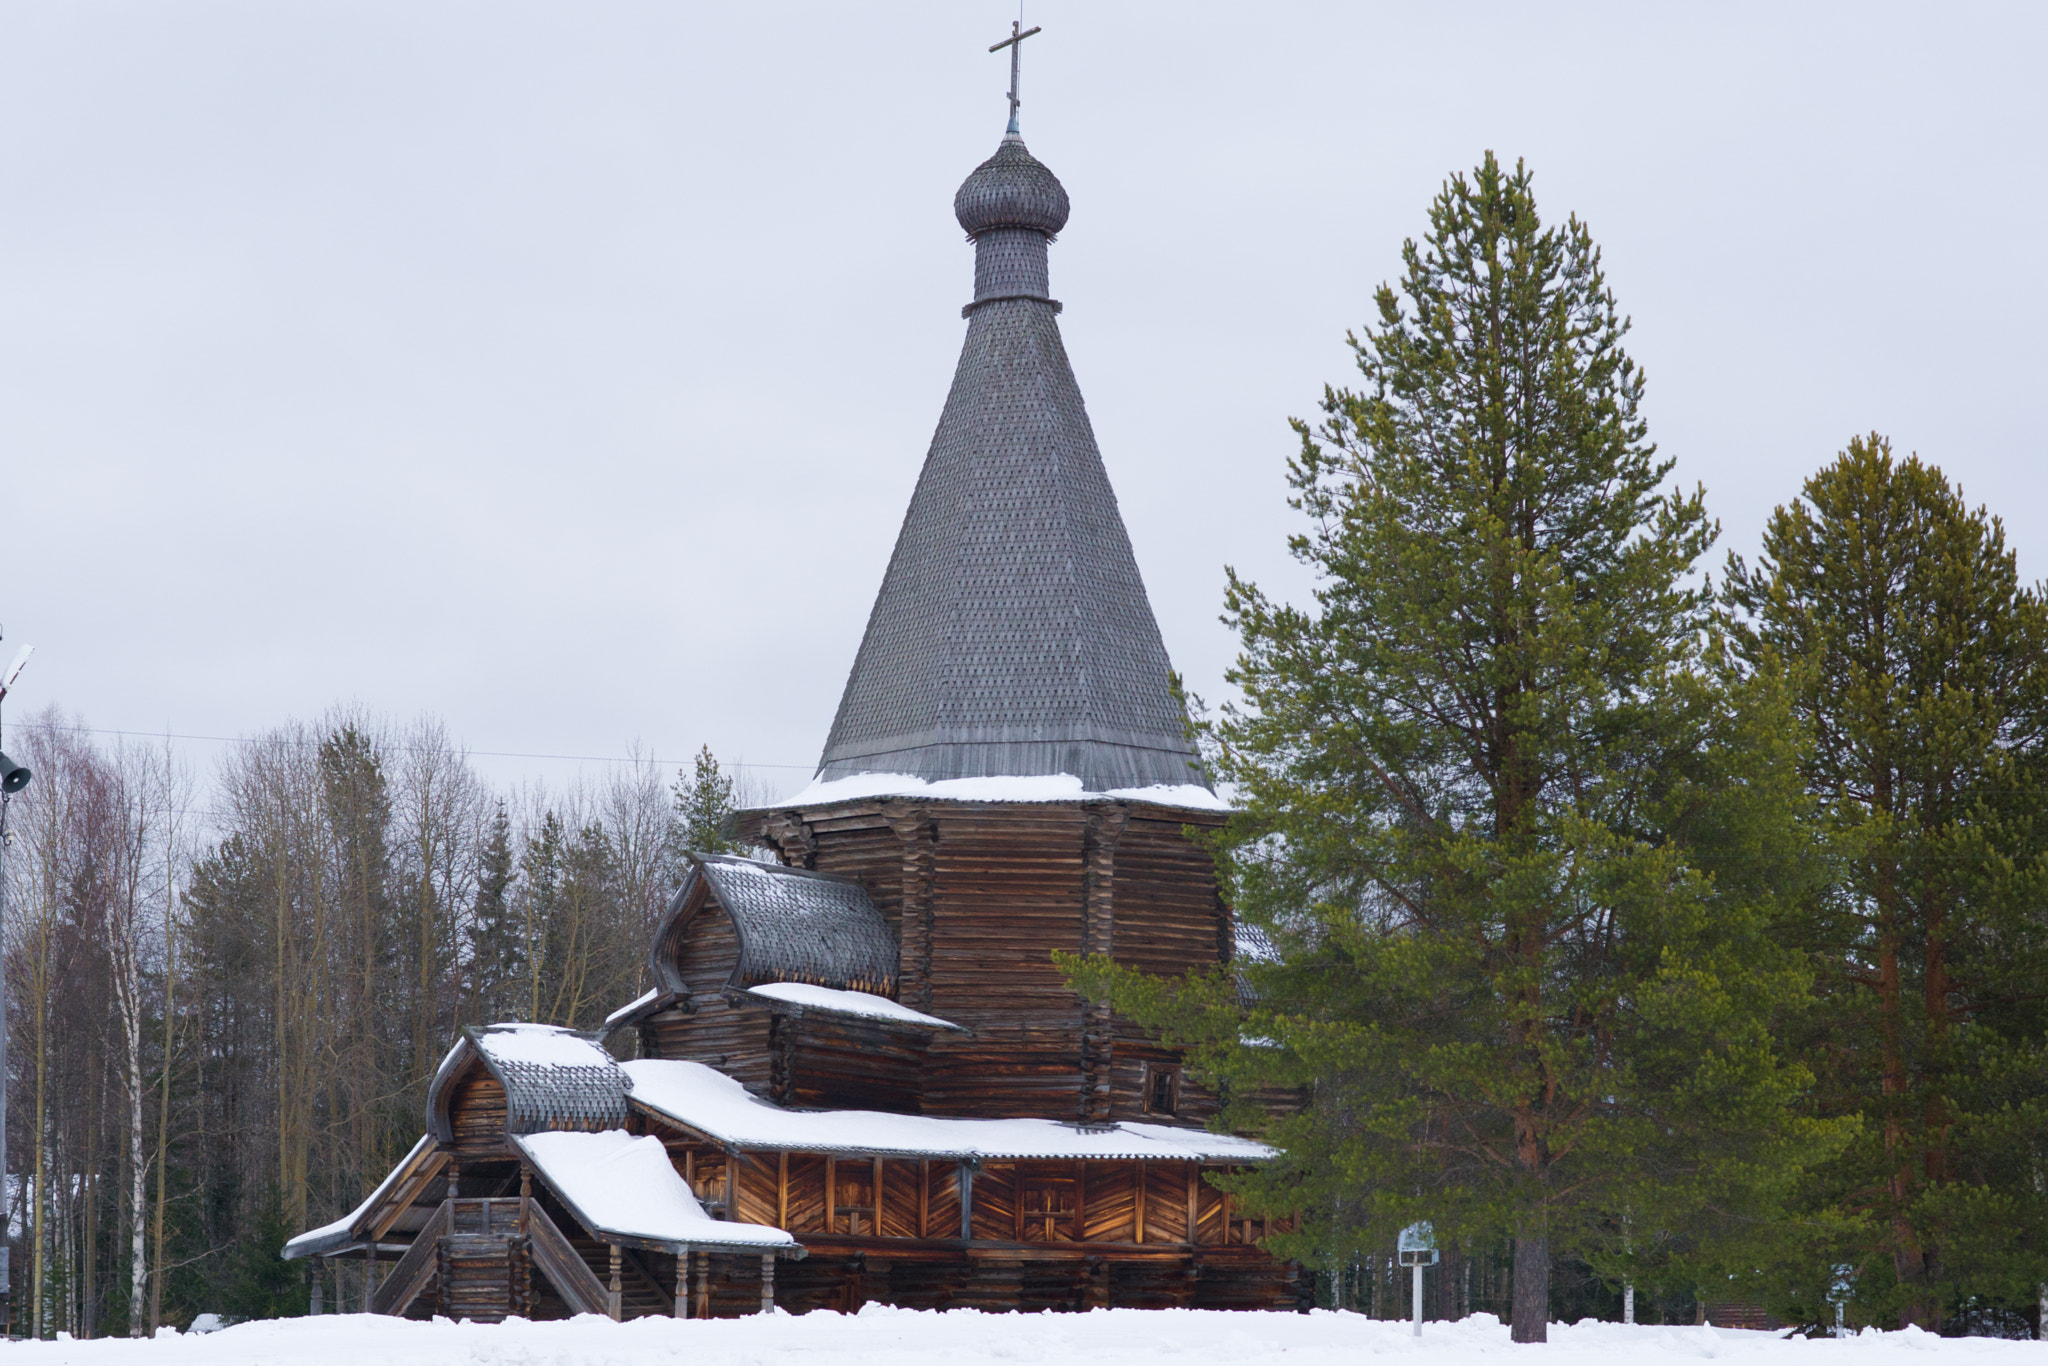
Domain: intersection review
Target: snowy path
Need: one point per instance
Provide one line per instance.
(880, 1336)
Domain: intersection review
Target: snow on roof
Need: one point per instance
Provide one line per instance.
(644, 998)
(795, 925)
(553, 1078)
(339, 1233)
(1053, 787)
(864, 1004)
(616, 1183)
(539, 1045)
(720, 1108)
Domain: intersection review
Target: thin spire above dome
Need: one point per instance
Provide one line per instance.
(1015, 42)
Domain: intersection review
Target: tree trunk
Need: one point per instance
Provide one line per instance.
(1532, 1290)
(138, 1174)
(1906, 1255)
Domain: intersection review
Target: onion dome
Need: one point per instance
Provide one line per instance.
(1012, 189)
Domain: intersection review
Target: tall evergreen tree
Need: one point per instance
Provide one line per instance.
(705, 807)
(496, 932)
(1895, 618)
(540, 888)
(1483, 779)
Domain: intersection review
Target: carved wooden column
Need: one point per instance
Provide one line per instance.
(914, 825)
(682, 1305)
(767, 1282)
(615, 1300)
(781, 1060)
(788, 832)
(1106, 822)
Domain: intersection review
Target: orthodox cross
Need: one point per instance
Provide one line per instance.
(1015, 42)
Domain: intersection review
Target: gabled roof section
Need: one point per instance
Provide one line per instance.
(380, 1209)
(1012, 635)
(554, 1078)
(793, 926)
(624, 1189)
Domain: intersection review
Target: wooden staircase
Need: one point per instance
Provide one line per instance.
(473, 1261)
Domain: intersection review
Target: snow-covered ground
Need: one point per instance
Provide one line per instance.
(880, 1336)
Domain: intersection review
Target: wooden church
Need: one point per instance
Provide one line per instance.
(858, 1076)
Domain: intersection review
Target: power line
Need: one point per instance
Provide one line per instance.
(409, 749)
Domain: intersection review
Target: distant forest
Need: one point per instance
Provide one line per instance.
(227, 996)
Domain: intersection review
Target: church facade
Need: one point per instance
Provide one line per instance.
(858, 1075)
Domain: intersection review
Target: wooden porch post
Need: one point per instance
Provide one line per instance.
(966, 1182)
(782, 1190)
(831, 1193)
(703, 1260)
(318, 1266)
(1194, 1177)
(369, 1273)
(615, 1302)
(1138, 1204)
(682, 1305)
(876, 1231)
(767, 1282)
(732, 1188)
(924, 1197)
(454, 1181)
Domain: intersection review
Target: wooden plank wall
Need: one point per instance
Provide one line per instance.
(1093, 1202)
(842, 1064)
(476, 1111)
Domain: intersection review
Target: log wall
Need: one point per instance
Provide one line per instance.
(707, 1028)
(980, 894)
(826, 1063)
(476, 1111)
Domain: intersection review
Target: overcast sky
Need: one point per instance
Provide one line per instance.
(564, 369)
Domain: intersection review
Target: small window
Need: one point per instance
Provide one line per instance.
(1162, 1090)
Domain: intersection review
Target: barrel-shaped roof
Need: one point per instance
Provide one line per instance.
(793, 925)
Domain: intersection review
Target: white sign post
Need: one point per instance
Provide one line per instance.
(1417, 1249)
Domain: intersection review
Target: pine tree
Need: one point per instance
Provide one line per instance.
(1895, 618)
(705, 807)
(1489, 782)
(540, 884)
(497, 939)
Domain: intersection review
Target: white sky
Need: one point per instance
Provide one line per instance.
(564, 368)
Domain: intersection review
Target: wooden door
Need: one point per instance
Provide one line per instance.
(1045, 1209)
(853, 1199)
